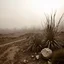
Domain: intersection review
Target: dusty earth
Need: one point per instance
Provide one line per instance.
(13, 52)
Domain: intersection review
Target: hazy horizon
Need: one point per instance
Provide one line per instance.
(26, 13)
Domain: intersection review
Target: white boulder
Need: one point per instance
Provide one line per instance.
(46, 52)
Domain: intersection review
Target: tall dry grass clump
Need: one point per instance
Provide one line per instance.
(37, 42)
(51, 31)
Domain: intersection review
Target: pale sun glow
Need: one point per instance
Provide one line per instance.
(45, 5)
(28, 13)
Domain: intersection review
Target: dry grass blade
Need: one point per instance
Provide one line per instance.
(59, 21)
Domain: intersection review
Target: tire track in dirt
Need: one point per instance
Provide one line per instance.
(11, 52)
(12, 42)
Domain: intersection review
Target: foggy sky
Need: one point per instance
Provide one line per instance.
(20, 13)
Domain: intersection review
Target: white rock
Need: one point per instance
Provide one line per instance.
(49, 62)
(25, 61)
(37, 57)
(32, 56)
(46, 52)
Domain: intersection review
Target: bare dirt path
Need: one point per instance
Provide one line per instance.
(12, 42)
(11, 52)
(8, 50)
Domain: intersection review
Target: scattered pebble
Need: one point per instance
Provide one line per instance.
(25, 61)
(49, 62)
(37, 57)
(32, 56)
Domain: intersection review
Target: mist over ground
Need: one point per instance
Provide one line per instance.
(26, 13)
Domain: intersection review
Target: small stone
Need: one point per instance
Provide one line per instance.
(49, 62)
(25, 61)
(37, 57)
(32, 56)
